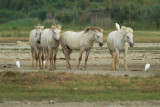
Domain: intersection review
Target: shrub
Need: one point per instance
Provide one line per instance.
(7, 15)
(21, 23)
(48, 23)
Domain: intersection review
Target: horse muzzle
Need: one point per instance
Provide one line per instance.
(38, 41)
(100, 44)
(131, 44)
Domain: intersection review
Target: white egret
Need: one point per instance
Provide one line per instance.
(18, 64)
(117, 26)
(147, 67)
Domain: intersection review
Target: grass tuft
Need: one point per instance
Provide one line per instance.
(76, 87)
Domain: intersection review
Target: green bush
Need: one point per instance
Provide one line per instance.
(20, 23)
(65, 17)
(41, 14)
(48, 23)
(7, 15)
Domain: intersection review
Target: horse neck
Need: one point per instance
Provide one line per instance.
(90, 36)
(122, 36)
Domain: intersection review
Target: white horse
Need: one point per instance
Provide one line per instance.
(34, 41)
(82, 41)
(50, 43)
(117, 42)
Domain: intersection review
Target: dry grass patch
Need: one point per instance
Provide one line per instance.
(76, 86)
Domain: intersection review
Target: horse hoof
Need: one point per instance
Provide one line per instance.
(51, 69)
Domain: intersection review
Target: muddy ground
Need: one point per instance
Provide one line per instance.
(99, 60)
(81, 104)
(99, 63)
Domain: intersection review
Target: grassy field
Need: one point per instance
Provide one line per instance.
(139, 36)
(76, 87)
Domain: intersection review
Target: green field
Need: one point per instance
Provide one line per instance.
(139, 36)
(75, 87)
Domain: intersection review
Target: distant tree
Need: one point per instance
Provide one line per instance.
(155, 15)
(83, 4)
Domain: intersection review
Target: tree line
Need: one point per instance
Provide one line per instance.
(136, 13)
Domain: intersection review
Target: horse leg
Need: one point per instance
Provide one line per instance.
(39, 58)
(86, 58)
(69, 53)
(36, 54)
(55, 54)
(80, 57)
(125, 59)
(117, 60)
(43, 58)
(33, 57)
(51, 58)
(46, 57)
(113, 60)
(64, 48)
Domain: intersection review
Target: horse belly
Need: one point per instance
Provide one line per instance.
(73, 42)
(73, 46)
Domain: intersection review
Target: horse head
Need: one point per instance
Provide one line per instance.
(39, 30)
(56, 29)
(128, 35)
(99, 37)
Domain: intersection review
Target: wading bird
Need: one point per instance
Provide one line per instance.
(117, 26)
(18, 64)
(147, 66)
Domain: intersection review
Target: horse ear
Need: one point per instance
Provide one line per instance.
(35, 27)
(102, 30)
(42, 27)
(52, 26)
(59, 26)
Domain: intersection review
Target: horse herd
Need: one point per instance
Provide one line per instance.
(44, 44)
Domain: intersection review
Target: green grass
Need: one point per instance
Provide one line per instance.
(139, 36)
(20, 29)
(61, 86)
(20, 24)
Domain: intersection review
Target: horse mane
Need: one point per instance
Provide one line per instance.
(53, 27)
(39, 27)
(127, 29)
(93, 28)
(58, 26)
